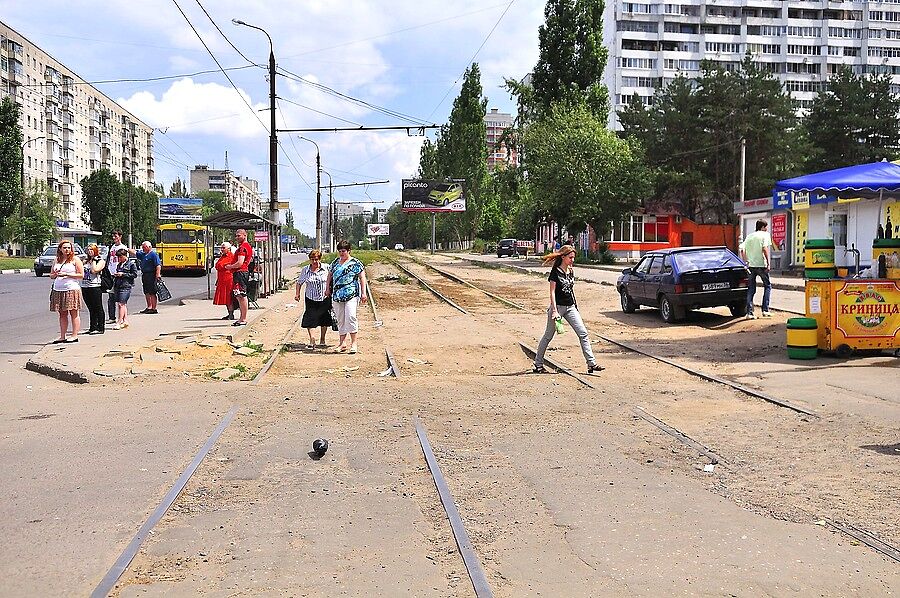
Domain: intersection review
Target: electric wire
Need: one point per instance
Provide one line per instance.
(219, 29)
(216, 60)
(318, 112)
(475, 55)
(146, 79)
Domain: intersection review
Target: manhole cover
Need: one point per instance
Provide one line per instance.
(38, 416)
(884, 449)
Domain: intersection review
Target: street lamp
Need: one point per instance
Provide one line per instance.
(330, 212)
(318, 191)
(273, 136)
(22, 185)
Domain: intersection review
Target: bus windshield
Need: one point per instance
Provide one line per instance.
(177, 235)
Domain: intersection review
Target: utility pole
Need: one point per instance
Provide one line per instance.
(22, 186)
(318, 192)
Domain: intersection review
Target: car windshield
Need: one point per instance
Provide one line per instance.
(706, 259)
(50, 250)
(442, 188)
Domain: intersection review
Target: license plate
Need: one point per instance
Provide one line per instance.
(712, 286)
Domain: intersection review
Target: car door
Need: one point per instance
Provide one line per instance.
(637, 279)
(654, 279)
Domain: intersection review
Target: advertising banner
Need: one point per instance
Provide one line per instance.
(180, 208)
(869, 309)
(779, 230)
(260, 235)
(433, 196)
(378, 230)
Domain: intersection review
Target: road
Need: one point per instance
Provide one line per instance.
(26, 323)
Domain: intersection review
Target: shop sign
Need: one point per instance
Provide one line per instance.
(779, 229)
(800, 200)
(782, 200)
(869, 309)
(260, 235)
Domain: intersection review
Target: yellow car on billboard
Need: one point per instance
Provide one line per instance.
(444, 194)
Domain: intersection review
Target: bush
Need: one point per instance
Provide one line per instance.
(478, 246)
(602, 256)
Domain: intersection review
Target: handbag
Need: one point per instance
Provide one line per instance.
(162, 291)
(334, 323)
(106, 280)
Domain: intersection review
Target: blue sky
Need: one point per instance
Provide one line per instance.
(404, 55)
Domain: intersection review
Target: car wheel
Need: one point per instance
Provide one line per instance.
(38, 273)
(628, 304)
(844, 351)
(738, 309)
(668, 311)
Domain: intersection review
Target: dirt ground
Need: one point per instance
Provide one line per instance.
(564, 491)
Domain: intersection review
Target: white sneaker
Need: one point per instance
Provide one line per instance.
(750, 316)
(114, 327)
(767, 314)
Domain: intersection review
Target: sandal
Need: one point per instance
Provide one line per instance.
(538, 369)
(353, 350)
(58, 341)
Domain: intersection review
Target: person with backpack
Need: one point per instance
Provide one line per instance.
(91, 289)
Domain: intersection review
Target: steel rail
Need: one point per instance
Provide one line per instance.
(470, 559)
(678, 435)
(529, 351)
(867, 539)
(717, 379)
(395, 371)
(109, 581)
(459, 280)
(428, 286)
(275, 353)
(378, 322)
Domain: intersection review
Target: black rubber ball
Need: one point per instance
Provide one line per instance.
(320, 446)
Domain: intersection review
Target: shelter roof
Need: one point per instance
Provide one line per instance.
(237, 219)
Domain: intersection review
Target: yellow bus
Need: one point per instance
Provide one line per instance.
(182, 246)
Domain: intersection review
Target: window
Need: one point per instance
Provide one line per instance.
(639, 26)
(643, 266)
(636, 8)
(837, 224)
(657, 265)
(641, 228)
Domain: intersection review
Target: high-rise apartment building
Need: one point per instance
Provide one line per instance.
(498, 154)
(70, 129)
(241, 193)
(801, 43)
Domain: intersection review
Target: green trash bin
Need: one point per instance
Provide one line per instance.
(802, 338)
(818, 258)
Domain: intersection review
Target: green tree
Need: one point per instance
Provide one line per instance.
(101, 194)
(178, 189)
(583, 173)
(571, 58)
(10, 159)
(40, 210)
(853, 121)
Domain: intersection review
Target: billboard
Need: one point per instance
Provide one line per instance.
(420, 195)
(180, 208)
(378, 230)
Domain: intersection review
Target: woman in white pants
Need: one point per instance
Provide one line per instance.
(347, 287)
(563, 306)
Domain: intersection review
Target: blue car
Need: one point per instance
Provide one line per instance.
(685, 278)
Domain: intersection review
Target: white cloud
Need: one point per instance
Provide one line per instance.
(199, 108)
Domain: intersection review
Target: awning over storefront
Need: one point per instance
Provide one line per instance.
(875, 180)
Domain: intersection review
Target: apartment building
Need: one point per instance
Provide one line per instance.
(70, 129)
(241, 193)
(801, 43)
(498, 154)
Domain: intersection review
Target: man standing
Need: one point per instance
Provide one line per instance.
(151, 273)
(112, 264)
(240, 266)
(755, 251)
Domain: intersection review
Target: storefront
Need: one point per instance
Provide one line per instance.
(779, 218)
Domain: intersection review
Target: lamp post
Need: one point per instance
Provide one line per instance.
(273, 136)
(22, 185)
(318, 192)
(330, 212)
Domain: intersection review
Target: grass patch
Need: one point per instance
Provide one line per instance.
(10, 263)
(366, 256)
(252, 345)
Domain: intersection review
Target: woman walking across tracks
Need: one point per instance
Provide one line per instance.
(346, 287)
(318, 305)
(563, 306)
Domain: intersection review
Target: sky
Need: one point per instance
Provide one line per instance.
(403, 55)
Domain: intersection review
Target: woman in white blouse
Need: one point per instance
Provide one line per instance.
(65, 297)
(318, 305)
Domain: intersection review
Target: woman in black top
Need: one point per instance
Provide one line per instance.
(563, 306)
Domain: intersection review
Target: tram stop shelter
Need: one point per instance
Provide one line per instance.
(265, 237)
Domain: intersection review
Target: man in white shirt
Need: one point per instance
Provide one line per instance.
(755, 251)
(111, 265)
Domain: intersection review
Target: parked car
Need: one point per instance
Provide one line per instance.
(399, 247)
(44, 262)
(506, 247)
(685, 278)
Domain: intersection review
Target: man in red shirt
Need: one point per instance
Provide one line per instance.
(242, 258)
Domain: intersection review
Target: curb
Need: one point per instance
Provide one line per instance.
(55, 370)
(17, 271)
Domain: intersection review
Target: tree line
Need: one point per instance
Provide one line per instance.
(680, 152)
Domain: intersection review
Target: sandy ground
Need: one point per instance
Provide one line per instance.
(562, 489)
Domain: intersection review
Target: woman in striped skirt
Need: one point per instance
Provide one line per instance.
(65, 296)
(318, 305)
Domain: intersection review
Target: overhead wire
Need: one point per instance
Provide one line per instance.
(216, 60)
(219, 29)
(318, 112)
(146, 79)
